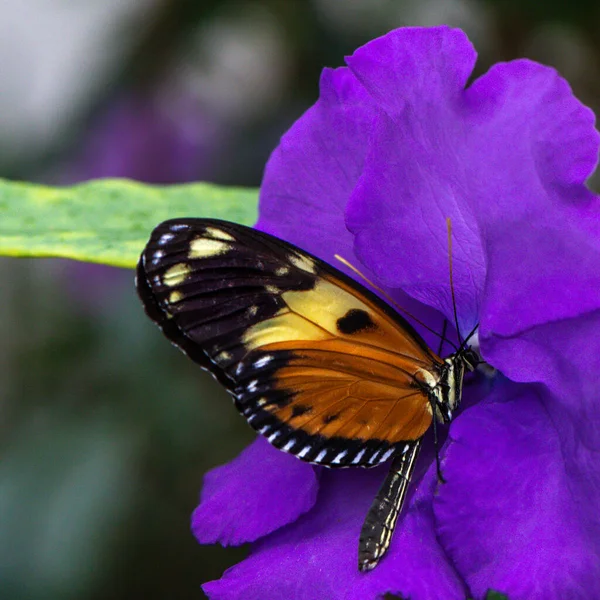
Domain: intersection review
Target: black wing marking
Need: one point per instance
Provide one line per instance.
(206, 310)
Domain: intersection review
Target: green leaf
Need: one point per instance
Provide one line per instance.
(492, 595)
(107, 221)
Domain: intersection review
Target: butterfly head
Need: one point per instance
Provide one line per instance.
(465, 359)
(469, 358)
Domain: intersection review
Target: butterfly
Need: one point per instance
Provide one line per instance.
(316, 363)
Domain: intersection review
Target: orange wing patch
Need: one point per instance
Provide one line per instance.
(357, 395)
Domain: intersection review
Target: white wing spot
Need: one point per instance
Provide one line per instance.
(321, 456)
(207, 247)
(165, 238)
(387, 455)
(273, 436)
(358, 457)
(176, 275)
(157, 256)
(239, 368)
(282, 271)
(179, 227)
(252, 386)
(263, 361)
(175, 296)
(218, 234)
(289, 445)
(304, 451)
(252, 311)
(272, 289)
(223, 356)
(338, 459)
(373, 458)
(302, 262)
(264, 429)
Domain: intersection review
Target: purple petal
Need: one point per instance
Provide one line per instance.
(565, 356)
(438, 61)
(311, 174)
(510, 516)
(316, 557)
(550, 272)
(415, 174)
(541, 299)
(258, 492)
(540, 319)
(514, 145)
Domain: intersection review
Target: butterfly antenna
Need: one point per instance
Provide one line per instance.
(444, 328)
(471, 334)
(449, 227)
(387, 296)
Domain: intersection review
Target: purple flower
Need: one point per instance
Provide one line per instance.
(138, 138)
(397, 142)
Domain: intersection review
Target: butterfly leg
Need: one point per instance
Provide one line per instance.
(377, 530)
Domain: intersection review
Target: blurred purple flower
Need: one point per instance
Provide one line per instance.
(141, 138)
(396, 143)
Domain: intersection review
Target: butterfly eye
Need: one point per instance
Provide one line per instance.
(470, 359)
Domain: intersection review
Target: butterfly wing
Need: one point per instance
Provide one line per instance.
(316, 363)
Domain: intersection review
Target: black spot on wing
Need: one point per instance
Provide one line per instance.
(353, 321)
(300, 409)
(330, 418)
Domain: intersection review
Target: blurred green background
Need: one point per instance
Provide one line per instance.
(106, 430)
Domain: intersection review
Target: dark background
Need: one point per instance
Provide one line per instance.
(106, 430)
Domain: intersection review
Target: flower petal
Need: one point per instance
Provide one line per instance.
(540, 318)
(310, 175)
(316, 557)
(258, 492)
(416, 172)
(550, 271)
(400, 144)
(414, 65)
(565, 356)
(510, 517)
(494, 157)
